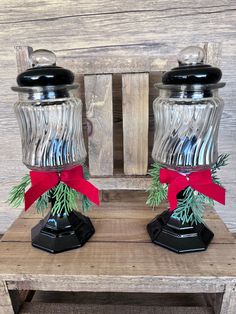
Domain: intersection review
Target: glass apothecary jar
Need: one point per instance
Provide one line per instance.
(49, 116)
(187, 114)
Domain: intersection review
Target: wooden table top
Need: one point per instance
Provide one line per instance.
(119, 257)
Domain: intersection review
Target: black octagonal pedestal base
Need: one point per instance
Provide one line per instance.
(58, 233)
(175, 236)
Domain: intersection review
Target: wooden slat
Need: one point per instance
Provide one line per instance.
(123, 183)
(5, 301)
(120, 28)
(56, 308)
(122, 216)
(23, 58)
(213, 53)
(229, 300)
(139, 261)
(118, 64)
(23, 61)
(135, 92)
(99, 112)
(98, 7)
(115, 230)
(123, 284)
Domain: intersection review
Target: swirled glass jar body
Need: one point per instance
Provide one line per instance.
(186, 128)
(51, 132)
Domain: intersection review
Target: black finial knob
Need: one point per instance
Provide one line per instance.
(192, 70)
(44, 71)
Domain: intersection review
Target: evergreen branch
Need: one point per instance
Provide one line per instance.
(63, 198)
(157, 192)
(86, 172)
(191, 207)
(86, 204)
(222, 161)
(17, 193)
(43, 202)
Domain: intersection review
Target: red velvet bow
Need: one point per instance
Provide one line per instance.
(200, 181)
(44, 181)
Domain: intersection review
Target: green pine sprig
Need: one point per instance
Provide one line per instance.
(86, 204)
(17, 193)
(157, 192)
(42, 202)
(191, 207)
(63, 199)
(222, 161)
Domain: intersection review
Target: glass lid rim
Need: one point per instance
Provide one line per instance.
(189, 87)
(39, 89)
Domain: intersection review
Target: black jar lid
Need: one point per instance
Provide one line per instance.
(44, 72)
(192, 70)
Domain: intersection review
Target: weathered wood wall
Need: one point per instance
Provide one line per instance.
(106, 29)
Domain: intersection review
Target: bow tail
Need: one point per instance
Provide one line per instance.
(86, 188)
(173, 190)
(34, 193)
(212, 190)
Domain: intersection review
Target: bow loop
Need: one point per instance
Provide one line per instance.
(201, 176)
(44, 176)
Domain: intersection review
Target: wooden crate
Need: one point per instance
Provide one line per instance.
(118, 258)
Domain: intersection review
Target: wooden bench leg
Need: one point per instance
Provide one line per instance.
(229, 300)
(5, 300)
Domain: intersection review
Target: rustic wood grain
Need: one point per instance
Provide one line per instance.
(23, 58)
(5, 300)
(115, 265)
(213, 54)
(55, 9)
(122, 183)
(124, 267)
(123, 284)
(122, 24)
(106, 30)
(229, 299)
(98, 98)
(118, 64)
(121, 217)
(135, 90)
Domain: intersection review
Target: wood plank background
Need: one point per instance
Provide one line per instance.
(106, 30)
